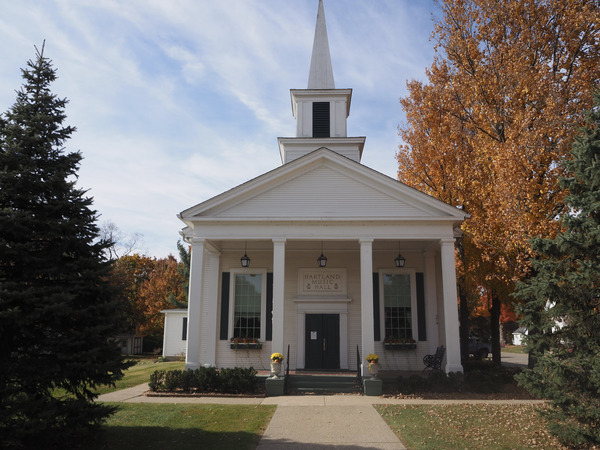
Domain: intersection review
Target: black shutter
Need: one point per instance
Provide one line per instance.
(224, 306)
(376, 303)
(321, 122)
(421, 319)
(269, 328)
(184, 330)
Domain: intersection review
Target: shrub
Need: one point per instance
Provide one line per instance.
(413, 384)
(238, 380)
(156, 380)
(205, 379)
(188, 379)
(455, 382)
(484, 379)
(172, 380)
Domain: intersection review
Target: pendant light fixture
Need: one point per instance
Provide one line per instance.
(244, 259)
(399, 260)
(322, 260)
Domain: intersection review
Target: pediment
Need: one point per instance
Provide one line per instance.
(322, 186)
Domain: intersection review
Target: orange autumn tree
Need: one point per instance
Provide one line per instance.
(147, 286)
(164, 284)
(502, 102)
(128, 275)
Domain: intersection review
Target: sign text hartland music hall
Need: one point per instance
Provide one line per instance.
(322, 281)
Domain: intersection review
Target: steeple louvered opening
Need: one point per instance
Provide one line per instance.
(321, 120)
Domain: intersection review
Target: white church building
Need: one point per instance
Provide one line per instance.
(322, 255)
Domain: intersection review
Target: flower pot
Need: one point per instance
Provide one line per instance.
(374, 369)
(275, 369)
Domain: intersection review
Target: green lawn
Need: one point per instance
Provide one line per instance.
(184, 426)
(157, 426)
(468, 426)
(140, 373)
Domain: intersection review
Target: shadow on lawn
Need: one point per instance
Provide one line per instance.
(119, 437)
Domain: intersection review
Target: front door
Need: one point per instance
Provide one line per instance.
(322, 341)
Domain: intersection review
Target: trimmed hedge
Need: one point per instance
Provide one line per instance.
(238, 380)
(479, 378)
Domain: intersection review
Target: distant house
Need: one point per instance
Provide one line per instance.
(519, 336)
(322, 255)
(175, 333)
(130, 344)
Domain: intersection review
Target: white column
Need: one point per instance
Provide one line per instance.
(278, 295)
(431, 306)
(209, 314)
(453, 363)
(366, 298)
(192, 352)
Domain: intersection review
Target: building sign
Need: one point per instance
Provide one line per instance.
(322, 282)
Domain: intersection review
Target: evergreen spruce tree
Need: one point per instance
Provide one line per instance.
(56, 309)
(561, 306)
(183, 268)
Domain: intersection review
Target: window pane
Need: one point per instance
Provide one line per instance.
(397, 306)
(248, 295)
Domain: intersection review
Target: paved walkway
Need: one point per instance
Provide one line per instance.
(515, 359)
(327, 425)
(321, 422)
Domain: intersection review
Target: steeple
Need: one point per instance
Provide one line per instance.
(321, 71)
(321, 111)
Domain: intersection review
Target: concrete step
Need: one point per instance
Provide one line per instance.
(306, 383)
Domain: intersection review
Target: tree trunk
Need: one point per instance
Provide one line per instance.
(464, 324)
(463, 306)
(531, 361)
(495, 330)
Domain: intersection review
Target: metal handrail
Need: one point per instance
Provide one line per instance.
(358, 372)
(286, 382)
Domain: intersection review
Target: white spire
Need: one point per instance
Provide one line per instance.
(321, 72)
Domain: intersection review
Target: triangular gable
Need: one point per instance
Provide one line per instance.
(323, 185)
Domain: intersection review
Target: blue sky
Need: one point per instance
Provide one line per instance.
(176, 101)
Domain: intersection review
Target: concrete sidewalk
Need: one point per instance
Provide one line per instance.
(136, 395)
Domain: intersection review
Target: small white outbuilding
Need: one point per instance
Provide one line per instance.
(175, 333)
(519, 336)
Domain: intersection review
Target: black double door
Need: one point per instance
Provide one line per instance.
(322, 341)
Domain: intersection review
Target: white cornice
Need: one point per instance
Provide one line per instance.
(297, 95)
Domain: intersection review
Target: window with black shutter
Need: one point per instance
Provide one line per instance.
(321, 119)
